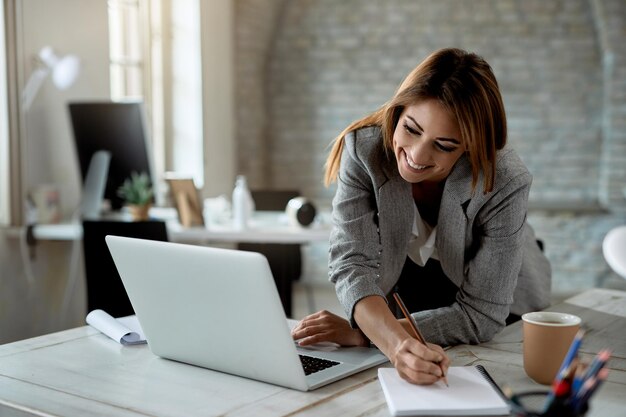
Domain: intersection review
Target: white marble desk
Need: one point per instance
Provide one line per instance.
(265, 227)
(80, 372)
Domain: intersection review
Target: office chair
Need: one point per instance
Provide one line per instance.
(285, 259)
(104, 286)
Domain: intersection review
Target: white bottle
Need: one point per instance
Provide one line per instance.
(243, 205)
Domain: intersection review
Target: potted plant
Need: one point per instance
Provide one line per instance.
(137, 193)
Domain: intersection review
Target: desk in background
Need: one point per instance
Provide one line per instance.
(265, 227)
(81, 372)
(269, 233)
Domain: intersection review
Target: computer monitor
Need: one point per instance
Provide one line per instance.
(119, 129)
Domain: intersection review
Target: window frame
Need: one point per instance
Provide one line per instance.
(5, 209)
(11, 118)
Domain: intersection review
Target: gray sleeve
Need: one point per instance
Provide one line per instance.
(354, 242)
(486, 293)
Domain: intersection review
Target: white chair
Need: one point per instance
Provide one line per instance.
(614, 250)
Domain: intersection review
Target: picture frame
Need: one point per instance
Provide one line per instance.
(186, 200)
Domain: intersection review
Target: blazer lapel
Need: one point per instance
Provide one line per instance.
(396, 202)
(452, 221)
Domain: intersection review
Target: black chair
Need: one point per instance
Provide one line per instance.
(285, 259)
(104, 286)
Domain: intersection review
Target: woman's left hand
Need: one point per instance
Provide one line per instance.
(325, 326)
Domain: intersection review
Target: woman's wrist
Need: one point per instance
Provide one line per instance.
(365, 341)
(373, 316)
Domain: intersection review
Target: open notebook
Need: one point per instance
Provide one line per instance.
(470, 393)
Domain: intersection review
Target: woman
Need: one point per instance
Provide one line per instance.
(430, 203)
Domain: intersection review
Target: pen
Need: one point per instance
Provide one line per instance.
(565, 366)
(578, 377)
(572, 352)
(589, 387)
(598, 363)
(418, 334)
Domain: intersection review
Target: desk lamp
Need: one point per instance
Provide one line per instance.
(64, 71)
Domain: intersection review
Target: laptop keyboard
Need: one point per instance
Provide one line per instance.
(312, 365)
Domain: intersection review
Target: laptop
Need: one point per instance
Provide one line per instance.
(219, 309)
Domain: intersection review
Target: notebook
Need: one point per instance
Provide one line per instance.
(470, 394)
(219, 309)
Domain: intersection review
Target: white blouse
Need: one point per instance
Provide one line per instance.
(422, 242)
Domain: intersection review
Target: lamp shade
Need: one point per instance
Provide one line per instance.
(64, 72)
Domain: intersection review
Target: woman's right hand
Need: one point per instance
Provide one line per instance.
(325, 326)
(415, 362)
(420, 364)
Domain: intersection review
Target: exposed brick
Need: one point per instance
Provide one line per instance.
(307, 68)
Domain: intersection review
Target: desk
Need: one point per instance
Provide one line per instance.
(265, 227)
(256, 233)
(603, 314)
(81, 372)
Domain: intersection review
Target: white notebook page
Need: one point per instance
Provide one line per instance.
(469, 393)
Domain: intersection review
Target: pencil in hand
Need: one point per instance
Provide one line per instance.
(416, 331)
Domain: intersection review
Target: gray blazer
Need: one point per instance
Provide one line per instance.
(484, 244)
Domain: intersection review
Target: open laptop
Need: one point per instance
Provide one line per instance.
(219, 309)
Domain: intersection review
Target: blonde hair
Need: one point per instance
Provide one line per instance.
(466, 86)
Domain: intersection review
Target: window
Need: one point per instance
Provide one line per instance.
(186, 91)
(125, 49)
(164, 72)
(134, 60)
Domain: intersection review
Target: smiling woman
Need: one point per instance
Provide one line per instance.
(425, 143)
(432, 205)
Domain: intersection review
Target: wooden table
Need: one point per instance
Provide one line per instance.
(603, 314)
(80, 372)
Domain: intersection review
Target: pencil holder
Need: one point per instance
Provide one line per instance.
(531, 404)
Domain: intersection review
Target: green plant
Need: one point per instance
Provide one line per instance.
(136, 190)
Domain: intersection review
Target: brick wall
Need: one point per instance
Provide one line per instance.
(561, 65)
(256, 23)
(611, 29)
